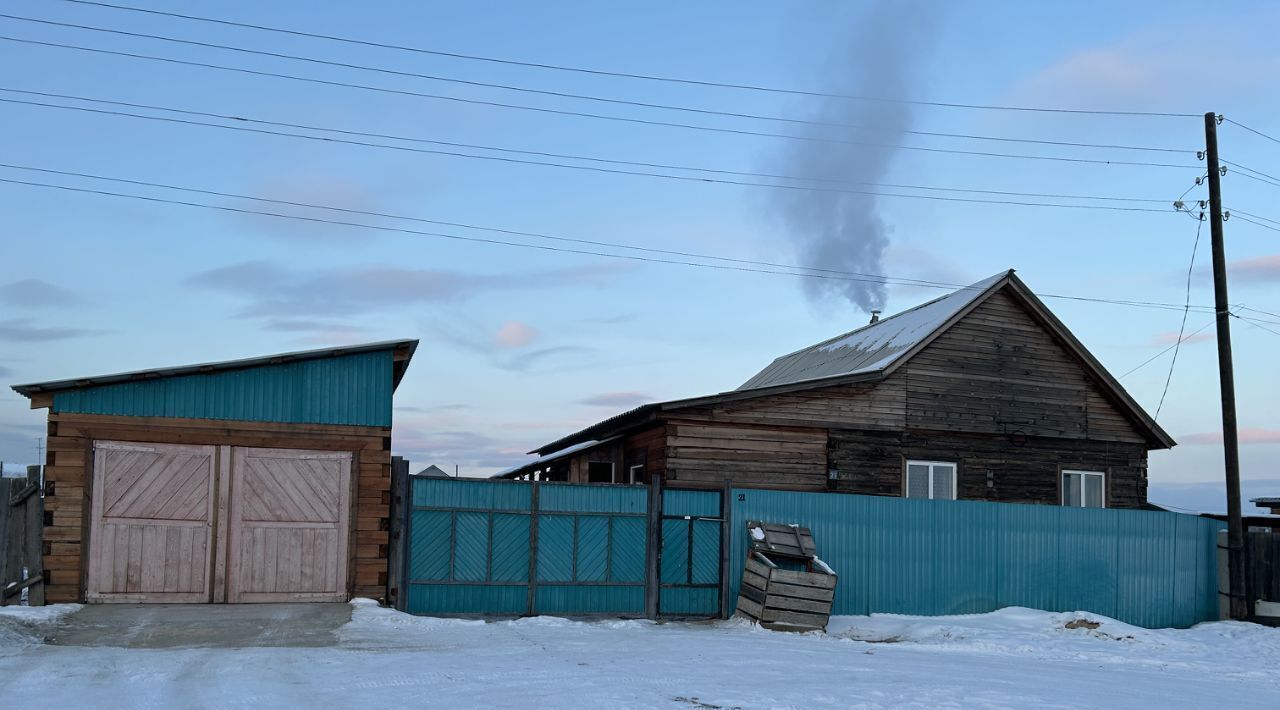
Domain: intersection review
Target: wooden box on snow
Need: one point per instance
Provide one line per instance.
(781, 598)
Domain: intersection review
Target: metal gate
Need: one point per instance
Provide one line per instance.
(693, 557)
(507, 547)
(519, 548)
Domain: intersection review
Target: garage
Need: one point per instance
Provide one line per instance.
(258, 480)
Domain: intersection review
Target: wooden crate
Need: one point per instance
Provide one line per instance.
(785, 599)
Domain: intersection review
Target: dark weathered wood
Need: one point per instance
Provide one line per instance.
(21, 538)
(397, 515)
(653, 568)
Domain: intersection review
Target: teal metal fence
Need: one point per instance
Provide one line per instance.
(691, 553)
(927, 557)
(507, 547)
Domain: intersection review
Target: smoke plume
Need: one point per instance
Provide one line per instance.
(836, 230)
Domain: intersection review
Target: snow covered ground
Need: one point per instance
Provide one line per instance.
(1014, 658)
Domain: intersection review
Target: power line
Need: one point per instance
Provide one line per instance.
(582, 114)
(1261, 180)
(839, 277)
(617, 171)
(1177, 346)
(244, 119)
(1273, 139)
(626, 75)
(1262, 327)
(567, 95)
(1258, 224)
(1234, 212)
(1160, 354)
(1238, 166)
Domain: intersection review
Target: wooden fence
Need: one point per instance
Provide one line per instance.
(21, 528)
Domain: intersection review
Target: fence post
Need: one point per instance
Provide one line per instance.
(653, 566)
(398, 540)
(531, 605)
(726, 541)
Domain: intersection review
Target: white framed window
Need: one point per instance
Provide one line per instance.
(931, 479)
(1084, 489)
(635, 474)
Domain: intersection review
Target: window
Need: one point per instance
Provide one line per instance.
(600, 472)
(1084, 489)
(931, 479)
(636, 474)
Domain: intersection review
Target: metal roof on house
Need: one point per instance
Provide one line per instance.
(872, 347)
(245, 363)
(349, 385)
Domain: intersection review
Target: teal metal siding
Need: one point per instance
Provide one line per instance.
(929, 557)
(350, 389)
(689, 573)
(470, 542)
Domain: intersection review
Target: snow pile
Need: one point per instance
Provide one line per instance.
(1014, 658)
(23, 626)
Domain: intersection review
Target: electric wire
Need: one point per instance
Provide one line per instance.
(593, 168)
(567, 95)
(626, 75)
(360, 225)
(240, 118)
(1255, 131)
(583, 114)
(1195, 247)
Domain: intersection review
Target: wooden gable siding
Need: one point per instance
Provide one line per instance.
(647, 448)
(69, 468)
(998, 371)
(707, 453)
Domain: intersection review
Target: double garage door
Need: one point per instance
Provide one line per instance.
(191, 524)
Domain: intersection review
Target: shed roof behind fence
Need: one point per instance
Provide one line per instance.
(350, 385)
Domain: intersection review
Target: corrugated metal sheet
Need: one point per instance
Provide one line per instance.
(872, 347)
(686, 502)
(591, 548)
(353, 389)
(927, 557)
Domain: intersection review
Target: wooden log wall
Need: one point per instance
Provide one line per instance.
(68, 483)
(1021, 470)
(704, 453)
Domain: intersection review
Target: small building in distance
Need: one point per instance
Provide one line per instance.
(433, 471)
(980, 394)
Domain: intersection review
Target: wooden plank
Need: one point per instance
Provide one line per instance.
(808, 579)
(791, 590)
(774, 601)
(796, 618)
(749, 608)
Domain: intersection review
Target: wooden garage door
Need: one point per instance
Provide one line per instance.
(152, 523)
(288, 525)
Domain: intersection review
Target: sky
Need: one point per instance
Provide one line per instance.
(520, 345)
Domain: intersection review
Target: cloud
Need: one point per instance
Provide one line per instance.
(1247, 435)
(617, 400)
(1259, 269)
(467, 449)
(5, 372)
(610, 320)
(280, 292)
(1152, 68)
(34, 292)
(22, 330)
(525, 361)
(437, 408)
(514, 334)
(1171, 337)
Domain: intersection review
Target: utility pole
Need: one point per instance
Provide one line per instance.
(1239, 605)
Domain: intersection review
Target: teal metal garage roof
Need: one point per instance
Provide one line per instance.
(350, 385)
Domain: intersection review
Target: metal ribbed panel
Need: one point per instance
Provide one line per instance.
(583, 498)
(466, 599)
(694, 503)
(945, 557)
(590, 599)
(471, 494)
(350, 389)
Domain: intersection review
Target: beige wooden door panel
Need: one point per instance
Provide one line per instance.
(288, 525)
(151, 523)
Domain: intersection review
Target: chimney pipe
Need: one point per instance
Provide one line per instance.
(875, 316)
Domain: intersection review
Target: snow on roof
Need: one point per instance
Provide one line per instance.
(872, 347)
(552, 457)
